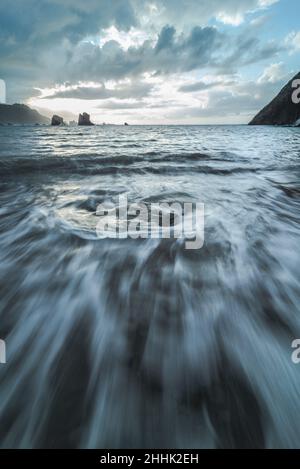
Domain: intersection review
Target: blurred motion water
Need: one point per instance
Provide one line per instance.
(142, 343)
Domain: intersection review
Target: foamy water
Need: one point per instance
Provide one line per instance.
(142, 343)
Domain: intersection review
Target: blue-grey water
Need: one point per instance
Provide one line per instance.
(142, 343)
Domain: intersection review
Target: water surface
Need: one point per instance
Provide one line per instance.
(142, 343)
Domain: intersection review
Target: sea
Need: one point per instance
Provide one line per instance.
(142, 343)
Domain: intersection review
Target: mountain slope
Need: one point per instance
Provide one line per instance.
(20, 114)
(280, 111)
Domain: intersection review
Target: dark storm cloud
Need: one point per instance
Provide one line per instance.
(40, 22)
(170, 54)
(47, 42)
(166, 39)
(249, 50)
(47, 21)
(37, 37)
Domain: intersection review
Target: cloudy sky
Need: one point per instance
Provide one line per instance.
(156, 61)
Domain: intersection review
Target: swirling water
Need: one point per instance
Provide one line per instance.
(142, 343)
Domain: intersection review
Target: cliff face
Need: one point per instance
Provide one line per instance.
(20, 114)
(84, 119)
(280, 111)
(57, 120)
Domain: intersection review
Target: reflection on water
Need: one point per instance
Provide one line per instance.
(142, 343)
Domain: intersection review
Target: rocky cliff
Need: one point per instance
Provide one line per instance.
(282, 110)
(84, 119)
(57, 120)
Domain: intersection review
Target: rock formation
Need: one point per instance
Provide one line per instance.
(57, 120)
(282, 110)
(20, 114)
(84, 119)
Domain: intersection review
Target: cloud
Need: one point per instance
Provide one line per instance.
(236, 14)
(39, 22)
(259, 21)
(136, 90)
(249, 50)
(272, 74)
(131, 54)
(195, 12)
(126, 39)
(49, 21)
(203, 86)
(171, 53)
(116, 105)
(292, 42)
(37, 37)
(45, 23)
(242, 98)
(198, 86)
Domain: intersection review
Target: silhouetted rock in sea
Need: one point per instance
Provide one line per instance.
(282, 110)
(57, 120)
(84, 119)
(20, 114)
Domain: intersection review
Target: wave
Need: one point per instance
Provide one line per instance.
(93, 164)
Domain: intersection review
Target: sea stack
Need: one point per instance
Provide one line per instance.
(57, 120)
(84, 119)
(283, 110)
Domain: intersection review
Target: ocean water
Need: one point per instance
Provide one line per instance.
(143, 343)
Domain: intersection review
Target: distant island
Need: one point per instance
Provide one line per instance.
(20, 114)
(281, 110)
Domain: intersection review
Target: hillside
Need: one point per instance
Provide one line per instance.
(20, 114)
